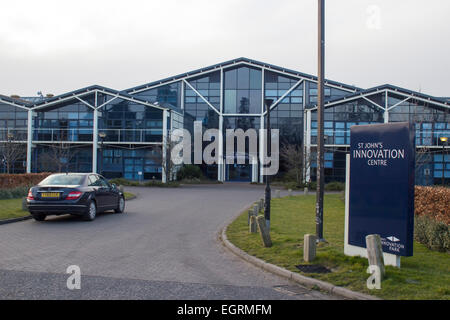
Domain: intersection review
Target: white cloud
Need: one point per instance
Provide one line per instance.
(56, 46)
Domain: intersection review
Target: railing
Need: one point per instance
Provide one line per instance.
(112, 135)
(342, 137)
(12, 134)
(82, 135)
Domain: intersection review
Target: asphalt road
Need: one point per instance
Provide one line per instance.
(164, 247)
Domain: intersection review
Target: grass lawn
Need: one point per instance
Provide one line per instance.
(128, 195)
(425, 275)
(12, 208)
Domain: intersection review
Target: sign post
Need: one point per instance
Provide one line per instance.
(380, 189)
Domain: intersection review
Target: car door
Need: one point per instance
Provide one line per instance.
(112, 196)
(100, 194)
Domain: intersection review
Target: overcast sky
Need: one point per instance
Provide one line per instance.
(57, 46)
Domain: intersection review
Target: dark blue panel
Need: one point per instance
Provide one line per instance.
(382, 185)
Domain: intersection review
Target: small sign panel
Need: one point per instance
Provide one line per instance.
(382, 165)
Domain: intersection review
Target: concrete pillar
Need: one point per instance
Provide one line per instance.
(263, 230)
(375, 252)
(252, 224)
(309, 247)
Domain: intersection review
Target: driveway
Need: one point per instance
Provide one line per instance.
(164, 247)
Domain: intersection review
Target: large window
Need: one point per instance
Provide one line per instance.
(67, 121)
(242, 90)
(126, 121)
(13, 121)
(167, 95)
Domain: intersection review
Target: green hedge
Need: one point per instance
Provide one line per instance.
(13, 193)
(433, 234)
(335, 186)
(189, 172)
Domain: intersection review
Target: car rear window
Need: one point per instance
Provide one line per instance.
(60, 180)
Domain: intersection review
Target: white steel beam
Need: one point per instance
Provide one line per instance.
(95, 142)
(73, 96)
(386, 110)
(274, 104)
(164, 148)
(14, 104)
(202, 97)
(261, 134)
(220, 165)
(29, 139)
(398, 103)
(374, 103)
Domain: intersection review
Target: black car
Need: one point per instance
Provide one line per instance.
(82, 194)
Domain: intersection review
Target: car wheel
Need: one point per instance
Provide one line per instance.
(91, 211)
(39, 216)
(120, 206)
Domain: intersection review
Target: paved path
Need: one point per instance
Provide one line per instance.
(164, 247)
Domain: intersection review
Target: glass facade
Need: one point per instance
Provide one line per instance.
(242, 91)
(234, 93)
(166, 95)
(68, 121)
(126, 121)
(13, 121)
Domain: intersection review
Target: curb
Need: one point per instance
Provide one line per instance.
(15, 220)
(296, 277)
(131, 198)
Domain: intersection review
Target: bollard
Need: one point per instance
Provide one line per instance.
(265, 236)
(289, 192)
(309, 247)
(250, 213)
(121, 188)
(24, 204)
(252, 224)
(277, 193)
(374, 252)
(261, 204)
(305, 191)
(255, 209)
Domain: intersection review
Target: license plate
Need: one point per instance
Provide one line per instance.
(50, 194)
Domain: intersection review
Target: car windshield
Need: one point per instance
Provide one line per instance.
(62, 179)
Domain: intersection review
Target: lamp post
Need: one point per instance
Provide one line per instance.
(268, 103)
(444, 141)
(320, 116)
(102, 136)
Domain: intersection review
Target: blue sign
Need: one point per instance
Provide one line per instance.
(382, 165)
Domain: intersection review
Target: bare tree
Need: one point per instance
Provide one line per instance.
(167, 166)
(57, 157)
(11, 151)
(292, 157)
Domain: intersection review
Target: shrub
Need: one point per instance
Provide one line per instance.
(13, 193)
(435, 235)
(10, 181)
(189, 171)
(169, 184)
(433, 202)
(124, 182)
(335, 186)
